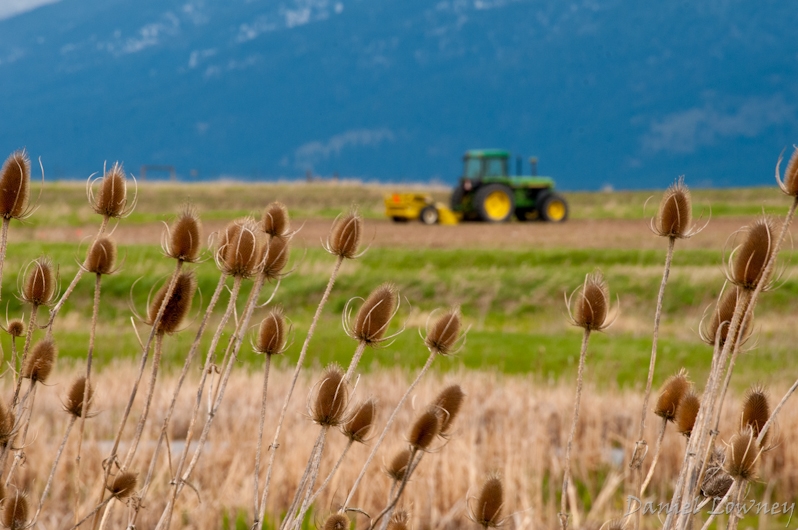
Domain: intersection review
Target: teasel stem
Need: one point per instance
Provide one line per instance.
(412, 463)
(3, 244)
(156, 361)
(734, 516)
(275, 442)
(15, 360)
(308, 482)
(18, 456)
(108, 463)
(55, 464)
(717, 507)
(361, 347)
(25, 350)
(656, 458)
(78, 275)
(385, 429)
(261, 421)
(567, 471)
(179, 476)
(86, 388)
(189, 358)
(326, 482)
(93, 512)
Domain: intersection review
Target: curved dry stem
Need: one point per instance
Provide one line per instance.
(301, 516)
(25, 350)
(261, 421)
(156, 361)
(650, 473)
(3, 245)
(52, 470)
(20, 454)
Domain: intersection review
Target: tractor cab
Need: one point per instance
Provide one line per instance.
(487, 192)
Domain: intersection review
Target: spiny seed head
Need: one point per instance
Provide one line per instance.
(790, 183)
(716, 485)
(686, 413)
(756, 411)
(721, 317)
(671, 394)
(184, 237)
(336, 521)
(275, 220)
(40, 283)
(123, 485)
(239, 250)
(424, 430)
(177, 307)
(111, 198)
(7, 425)
(448, 404)
(331, 397)
(400, 520)
(675, 211)
(276, 258)
(74, 399)
(445, 332)
(396, 469)
(271, 333)
(358, 426)
(15, 185)
(16, 328)
(345, 235)
(375, 314)
(489, 503)
(15, 511)
(101, 257)
(614, 524)
(752, 255)
(39, 362)
(592, 303)
(742, 455)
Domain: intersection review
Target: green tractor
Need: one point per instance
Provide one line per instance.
(486, 191)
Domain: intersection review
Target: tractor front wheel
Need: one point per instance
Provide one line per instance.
(553, 208)
(494, 203)
(429, 215)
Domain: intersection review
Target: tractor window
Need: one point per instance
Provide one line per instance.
(473, 168)
(496, 167)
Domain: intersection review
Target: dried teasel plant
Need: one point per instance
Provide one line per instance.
(240, 250)
(101, 257)
(790, 183)
(748, 261)
(183, 240)
(621, 523)
(487, 508)
(444, 334)
(111, 198)
(717, 323)
(15, 186)
(123, 485)
(76, 397)
(589, 306)
(756, 412)
(371, 321)
(8, 427)
(424, 430)
(275, 221)
(399, 465)
(716, 482)
(39, 363)
(178, 305)
(330, 402)
(359, 424)
(16, 511)
(399, 521)
(671, 394)
(345, 235)
(336, 521)
(742, 455)
(675, 215)
(40, 282)
(448, 404)
(686, 413)
(275, 258)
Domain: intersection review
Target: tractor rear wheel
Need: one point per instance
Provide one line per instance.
(552, 208)
(494, 203)
(429, 215)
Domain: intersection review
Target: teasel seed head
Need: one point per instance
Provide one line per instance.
(183, 240)
(371, 321)
(275, 220)
(239, 252)
(490, 502)
(751, 256)
(123, 485)
(331, 398)
(16, 328)
(359, 424)
(742, 455)
(615, 524)
(444, 332)
(448, 404)
(15, 511)
(716, 481)
(400, 520)
(276, 258)
(7, 426)
(675, 212)
(721, 318)
(74, 399)
(756, 411)
(345, 235)
(398, 466)
(111, 199)
(101, 257)
(40, 283)
(39, 362)
(336, 521)
(15, 185)
(671, 394)
(592, 303)
(271, 333)
(177, 307)
(686, 413)
(424, 430)
(790, 183)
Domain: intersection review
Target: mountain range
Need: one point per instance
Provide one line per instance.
(606, 93)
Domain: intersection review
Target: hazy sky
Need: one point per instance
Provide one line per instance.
(9, 8)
